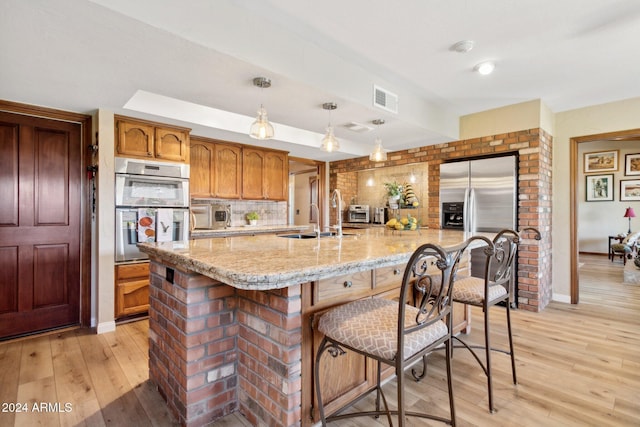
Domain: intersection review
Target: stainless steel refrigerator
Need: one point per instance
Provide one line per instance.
(486, 190)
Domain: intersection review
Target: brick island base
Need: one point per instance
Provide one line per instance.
(215, 349)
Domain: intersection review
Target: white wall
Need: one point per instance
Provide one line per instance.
(610, 117)
(598, 220)
(104, 297)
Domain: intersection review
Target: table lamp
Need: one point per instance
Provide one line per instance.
(629, 214)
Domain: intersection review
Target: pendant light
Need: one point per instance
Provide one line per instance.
(329, 142)
(261, 128)
(379, 154)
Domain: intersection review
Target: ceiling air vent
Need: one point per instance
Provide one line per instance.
(384, 99)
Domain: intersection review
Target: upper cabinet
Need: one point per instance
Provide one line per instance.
(233, 171)
(264, 174)
(148, 140)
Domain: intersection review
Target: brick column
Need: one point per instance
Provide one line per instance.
(214, 349)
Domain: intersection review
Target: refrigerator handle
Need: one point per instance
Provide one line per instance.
(472, 211)
(465, 210)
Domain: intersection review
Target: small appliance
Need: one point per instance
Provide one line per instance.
(358, 213)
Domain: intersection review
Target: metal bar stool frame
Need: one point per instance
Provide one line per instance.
(433, 311)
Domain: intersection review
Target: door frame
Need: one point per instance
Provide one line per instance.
(321, 168)
(86, 156)
(631, 135)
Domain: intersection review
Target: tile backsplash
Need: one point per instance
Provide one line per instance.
(270, 212)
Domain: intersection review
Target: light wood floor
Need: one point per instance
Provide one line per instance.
(577, 365)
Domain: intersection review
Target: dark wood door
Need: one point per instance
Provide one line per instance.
(40, 222)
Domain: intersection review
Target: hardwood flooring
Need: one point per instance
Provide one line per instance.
(578, 365)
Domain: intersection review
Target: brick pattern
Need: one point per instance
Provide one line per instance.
(270, 356)
(534, 147)
(214, 349)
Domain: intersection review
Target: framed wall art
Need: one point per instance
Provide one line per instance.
(601, 161)
(599, 188)
(632, 164)
(630, 190)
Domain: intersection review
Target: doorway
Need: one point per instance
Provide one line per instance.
(630, 136)
(306, 187)
(42, 252)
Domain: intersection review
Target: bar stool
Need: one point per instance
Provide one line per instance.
(394, 332)
(489, 291)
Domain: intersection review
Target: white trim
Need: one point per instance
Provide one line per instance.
(106, 327)
(561, 298)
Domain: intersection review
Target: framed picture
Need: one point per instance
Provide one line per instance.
(630, 190)
(599, 188)
(632, 164)
(601, 161)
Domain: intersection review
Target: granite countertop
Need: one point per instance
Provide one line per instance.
(248, 229)
(262, 261)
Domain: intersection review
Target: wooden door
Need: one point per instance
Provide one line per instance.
(228, 171)
(252, 174)
(201, 177)
(276, 175)
(40, 223)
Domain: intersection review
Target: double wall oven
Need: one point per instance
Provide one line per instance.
(152, 204)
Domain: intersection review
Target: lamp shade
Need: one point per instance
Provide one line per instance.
(629, 213)
(261, 128)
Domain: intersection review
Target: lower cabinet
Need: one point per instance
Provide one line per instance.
(131, 289)
(347, 377)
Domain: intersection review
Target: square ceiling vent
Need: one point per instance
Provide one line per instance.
(384, 99)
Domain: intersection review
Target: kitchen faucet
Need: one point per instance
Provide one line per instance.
(336, 202)
(316, 226)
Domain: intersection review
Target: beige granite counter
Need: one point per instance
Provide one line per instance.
(263, 262)
(248, 230)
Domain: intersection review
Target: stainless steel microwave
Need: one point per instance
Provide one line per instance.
(210, 216)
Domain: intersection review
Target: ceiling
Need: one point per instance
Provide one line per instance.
(192, 62)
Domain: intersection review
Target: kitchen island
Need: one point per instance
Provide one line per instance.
(231, 319)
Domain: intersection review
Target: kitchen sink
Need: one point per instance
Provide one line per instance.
(312, 235)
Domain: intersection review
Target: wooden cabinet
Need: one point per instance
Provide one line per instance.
(264, 174)
(216, 169)
(201, 176)
(148, 140)
(229, 171)
(131, 289)
(351, 374)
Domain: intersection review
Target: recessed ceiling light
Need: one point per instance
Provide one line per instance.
(463, 46)
(485, 68)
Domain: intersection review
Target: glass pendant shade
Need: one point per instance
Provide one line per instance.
(261, 128)
(378, 154)
(330, 142)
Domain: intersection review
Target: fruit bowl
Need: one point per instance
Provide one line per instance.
(408, 223)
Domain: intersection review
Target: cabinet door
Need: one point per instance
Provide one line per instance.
(228, 175)
(252, 173)
(171, 144)
(276, 175)
(342, 378)
(131, 289)
(201, 177)
(134, 139)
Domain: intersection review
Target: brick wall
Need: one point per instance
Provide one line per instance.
(214, 349)
(533, 147)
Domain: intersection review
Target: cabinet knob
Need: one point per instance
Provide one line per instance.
(347, 284)
(157, 155)
(396, 271)
(148, 153)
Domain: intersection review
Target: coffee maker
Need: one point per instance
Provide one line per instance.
(378, 215)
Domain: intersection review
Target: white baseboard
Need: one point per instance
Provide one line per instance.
(103, 327)
(561, 298)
